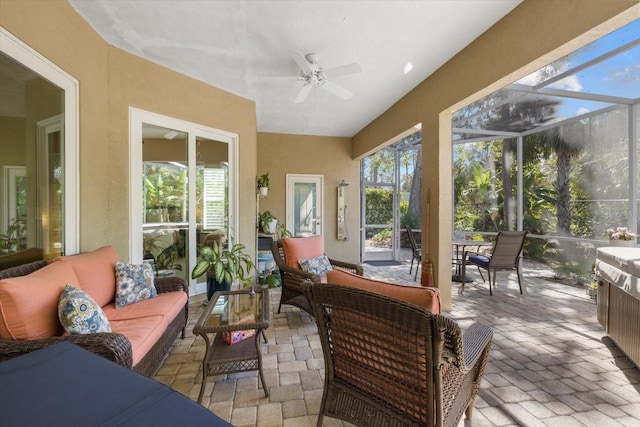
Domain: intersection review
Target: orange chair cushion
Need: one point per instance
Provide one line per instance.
(428, 298)
(29, 304)
(96, 272)
(297, 248)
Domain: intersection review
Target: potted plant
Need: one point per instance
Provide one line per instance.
(263, 184)
(10, 239)
(621, 236)
(281, 231)
(224, 266)
(268, 223)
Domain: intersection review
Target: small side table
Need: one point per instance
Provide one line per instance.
(230, 311)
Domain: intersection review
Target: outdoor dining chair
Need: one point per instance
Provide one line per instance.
(505, 256)
(416, 251)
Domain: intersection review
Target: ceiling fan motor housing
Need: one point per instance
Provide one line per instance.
(312, 58)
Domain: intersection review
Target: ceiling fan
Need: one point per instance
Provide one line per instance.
(315, 76)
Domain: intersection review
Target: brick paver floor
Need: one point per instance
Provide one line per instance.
(550, 363)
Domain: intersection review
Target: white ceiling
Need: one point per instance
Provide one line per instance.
(239, 46)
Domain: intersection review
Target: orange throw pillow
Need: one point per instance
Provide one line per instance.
(29, 304)
(297, 248)
(96, 273)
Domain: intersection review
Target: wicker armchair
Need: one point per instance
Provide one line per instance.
(390, 363)
(113, 346)
(293, 278)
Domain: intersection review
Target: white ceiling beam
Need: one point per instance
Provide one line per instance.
(486, 132)
(562, 93)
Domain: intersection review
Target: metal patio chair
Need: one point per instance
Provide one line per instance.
(505, 256)
(416, 251)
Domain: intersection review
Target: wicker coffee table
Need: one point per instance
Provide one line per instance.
(228, 312)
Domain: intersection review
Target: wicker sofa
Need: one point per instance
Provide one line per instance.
(142, 332)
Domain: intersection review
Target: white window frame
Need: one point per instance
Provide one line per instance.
(28, 57)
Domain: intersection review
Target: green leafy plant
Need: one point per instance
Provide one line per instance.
(166, 260)
(281, 231)
(9, 240)
(225, 264)
(263, 181)
(265, 219)
(274, 280)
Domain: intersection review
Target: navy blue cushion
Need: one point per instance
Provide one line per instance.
(66, 385)
(479, 260)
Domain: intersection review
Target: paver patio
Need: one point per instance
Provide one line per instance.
(550, 363)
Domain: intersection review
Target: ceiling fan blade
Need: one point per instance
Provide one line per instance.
(304, 92)
(336, 90)
(342, 70)
(302, 62)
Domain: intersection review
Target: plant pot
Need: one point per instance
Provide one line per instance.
(214, 286)
(272, 226)
(623, 243)
(263, 191)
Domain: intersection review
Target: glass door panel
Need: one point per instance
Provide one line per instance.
(212, 194)
(165, 201)
(183, 192)
(379, 206)
(304, 205)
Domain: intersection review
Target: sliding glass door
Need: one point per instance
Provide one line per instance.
(182, 193)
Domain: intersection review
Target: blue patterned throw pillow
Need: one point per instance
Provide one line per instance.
(320, 265)
(134, 282)
(79, 313)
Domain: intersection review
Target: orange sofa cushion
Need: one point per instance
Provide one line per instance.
(96, 272)
(428, 298)
(297, 248)
(29, 304)
(143, 333)
(168, 305)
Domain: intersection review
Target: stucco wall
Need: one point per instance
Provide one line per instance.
(280, 154)
(110, 81)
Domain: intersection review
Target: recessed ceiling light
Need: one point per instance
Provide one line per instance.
(171, 134)
(408, 67)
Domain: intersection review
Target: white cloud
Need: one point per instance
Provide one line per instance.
(569, 83)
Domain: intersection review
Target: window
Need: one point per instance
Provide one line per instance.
(38, 146)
